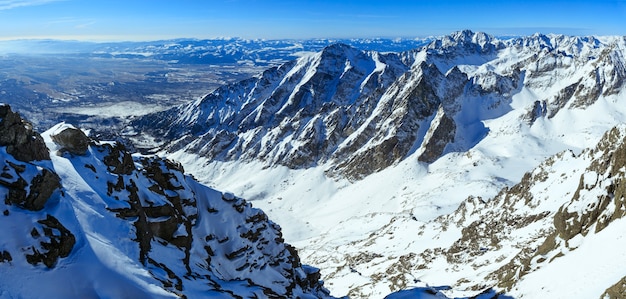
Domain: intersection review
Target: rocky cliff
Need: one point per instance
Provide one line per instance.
(342, 106)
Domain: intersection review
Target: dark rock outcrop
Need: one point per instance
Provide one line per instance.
(32, 195)
(57, 242)
(442, 133)
(19, 138)
(72, 140)
(118, 160)
(29, 183)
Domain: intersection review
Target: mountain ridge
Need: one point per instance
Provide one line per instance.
(333, 110)
(465, 116)
(93, 221)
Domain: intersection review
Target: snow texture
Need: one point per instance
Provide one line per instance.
(332, 146)
(122, 226)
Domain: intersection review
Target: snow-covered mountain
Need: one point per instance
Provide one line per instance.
(299, 114)
(342, 105)
(86, 219)
(392, 170)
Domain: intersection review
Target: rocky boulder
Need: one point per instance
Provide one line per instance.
(72, 140)
(19, 138)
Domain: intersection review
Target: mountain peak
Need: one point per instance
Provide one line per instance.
(462, 35)
(465, 42)
(469, 36)
(339, 54)
(338, 47)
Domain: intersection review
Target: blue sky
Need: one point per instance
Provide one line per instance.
(272, 19)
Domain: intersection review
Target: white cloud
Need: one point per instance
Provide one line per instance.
(85, 24)
(11, 4)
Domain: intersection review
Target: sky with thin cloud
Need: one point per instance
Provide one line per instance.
(275, 19)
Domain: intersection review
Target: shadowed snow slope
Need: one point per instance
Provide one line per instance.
(93, 221)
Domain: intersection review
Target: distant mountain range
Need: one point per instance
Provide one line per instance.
(343, 105)
(103, 83)
(209, 51)
(393, 170)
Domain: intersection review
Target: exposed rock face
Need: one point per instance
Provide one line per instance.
(19, 138)
(342, 106)
(390, 135)
(72, 140)
(27, 182)
(58, 242)
(118, 159)
(539, 110)
(441, 132)
(167, 209)
(616, 291)
(31, 195)
(30, 183)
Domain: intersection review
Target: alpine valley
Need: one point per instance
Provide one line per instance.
(469, 167)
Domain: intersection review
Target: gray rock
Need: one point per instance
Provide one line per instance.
(442, 134)
(72, 140)
(25, 145)
(19, 138)
(32, 195)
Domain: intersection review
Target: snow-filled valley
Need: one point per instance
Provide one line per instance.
(471, 167)
(478, 113)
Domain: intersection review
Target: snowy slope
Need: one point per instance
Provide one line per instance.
(367, 182)
(90, 220)
(294, 115)
(342, 105)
